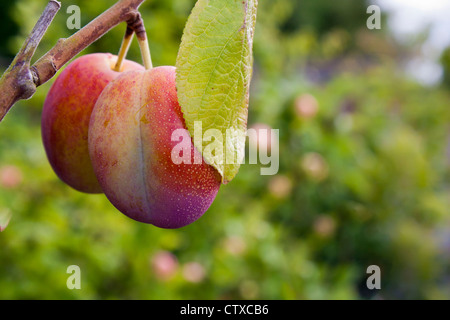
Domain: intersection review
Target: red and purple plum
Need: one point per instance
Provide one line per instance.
(130, 145)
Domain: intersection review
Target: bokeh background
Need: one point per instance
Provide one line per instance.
(364, 179)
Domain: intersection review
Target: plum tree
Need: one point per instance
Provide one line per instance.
(110, 131)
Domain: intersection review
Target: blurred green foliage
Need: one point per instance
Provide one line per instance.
(364, 176)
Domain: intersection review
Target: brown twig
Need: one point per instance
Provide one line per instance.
(20, 80)
(17, 82)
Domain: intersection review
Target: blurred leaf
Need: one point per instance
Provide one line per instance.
(5, 217)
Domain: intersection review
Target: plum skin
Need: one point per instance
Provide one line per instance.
(66, 116)
(130, 148)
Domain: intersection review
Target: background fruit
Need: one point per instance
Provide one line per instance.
(66, 115)
(130, 146)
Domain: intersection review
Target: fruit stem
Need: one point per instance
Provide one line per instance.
(136, 23)
(145, 51)
(125, 46)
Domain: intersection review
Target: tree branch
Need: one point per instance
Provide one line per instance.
(20, 80)
(17, 82)
(30, 45)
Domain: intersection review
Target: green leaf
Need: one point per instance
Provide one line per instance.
(214, 68)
